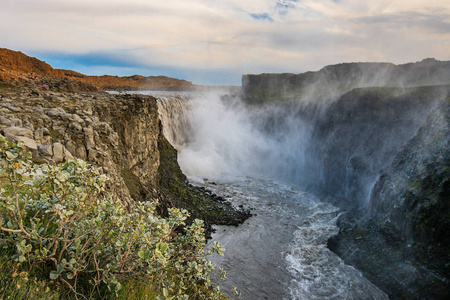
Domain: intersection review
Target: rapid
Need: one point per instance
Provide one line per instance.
(257, 159)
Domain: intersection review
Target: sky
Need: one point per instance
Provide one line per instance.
(214, 42)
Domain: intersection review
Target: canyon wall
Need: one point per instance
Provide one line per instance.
(121, 134)
(378, 147)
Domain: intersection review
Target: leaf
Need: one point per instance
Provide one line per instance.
(69, 275)
(141, 254)
(54, 275)
(165, 292)
(60, 268)
(9, 155)
(22, 258)
(162, 246)
(158, 253)
(119, 244)
(160, 298)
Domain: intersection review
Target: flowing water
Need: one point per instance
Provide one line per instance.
(280, 252)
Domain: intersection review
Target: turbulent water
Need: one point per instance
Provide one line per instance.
(280, 252)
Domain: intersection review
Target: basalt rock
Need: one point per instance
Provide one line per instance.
(127, 144)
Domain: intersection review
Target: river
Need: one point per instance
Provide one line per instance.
(280, 252)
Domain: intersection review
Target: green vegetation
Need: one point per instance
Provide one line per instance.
(175, 187)
(60, 238)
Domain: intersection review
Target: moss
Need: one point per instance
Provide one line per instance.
(176, 190)
(39, 160)
(54, 134)
(134, 185)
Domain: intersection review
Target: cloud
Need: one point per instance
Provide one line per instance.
(230, 36)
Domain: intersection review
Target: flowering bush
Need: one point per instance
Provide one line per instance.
(56, 219)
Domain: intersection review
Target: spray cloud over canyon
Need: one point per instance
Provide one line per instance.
(335, 133)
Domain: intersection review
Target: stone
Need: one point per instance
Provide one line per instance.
(5, 121)
(56, 112)
(67, 154)
(71, 146)
(92, 154)
(45, 150)
(18, 131)
(76, 118)
(27, 124)
(29, 143)
(75, 126)
(81, 152)
(16, 122)
(58, 153)
(89, 137)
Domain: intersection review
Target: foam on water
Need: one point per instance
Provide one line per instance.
(280, 252)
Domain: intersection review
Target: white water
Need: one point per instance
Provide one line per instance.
(280, 252)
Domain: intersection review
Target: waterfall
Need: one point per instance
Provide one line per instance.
(174, 112)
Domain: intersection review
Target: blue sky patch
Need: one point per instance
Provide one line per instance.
(263, 16)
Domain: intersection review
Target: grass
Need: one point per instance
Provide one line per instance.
(18, 284)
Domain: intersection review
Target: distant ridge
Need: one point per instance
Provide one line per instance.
(336, 80)
(16, 66)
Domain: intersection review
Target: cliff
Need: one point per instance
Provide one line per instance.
(18, 67)
(376, 144)
(121, 134)
(332, 81)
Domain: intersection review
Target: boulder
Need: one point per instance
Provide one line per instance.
(58, 153)
(56, 112)
(29, 143)
(45, 150)
(17, 131)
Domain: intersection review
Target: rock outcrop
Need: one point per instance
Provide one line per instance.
(359, 134)
(402, 243)
(412, 195)
(121, 134)
(377, 145)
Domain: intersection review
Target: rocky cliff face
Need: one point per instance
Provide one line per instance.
(116, 133)
(402, 242)
(360, 133)
(378, 146)
(412, 195)
(121, 134)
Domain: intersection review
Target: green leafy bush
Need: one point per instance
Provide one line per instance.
(55, 219)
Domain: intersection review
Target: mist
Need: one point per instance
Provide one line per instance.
(219, 135)
(331, 148)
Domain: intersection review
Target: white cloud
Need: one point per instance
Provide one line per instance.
(206, 35)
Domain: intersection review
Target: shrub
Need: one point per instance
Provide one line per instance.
(55, 219)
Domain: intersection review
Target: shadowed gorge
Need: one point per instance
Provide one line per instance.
(374, 143)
